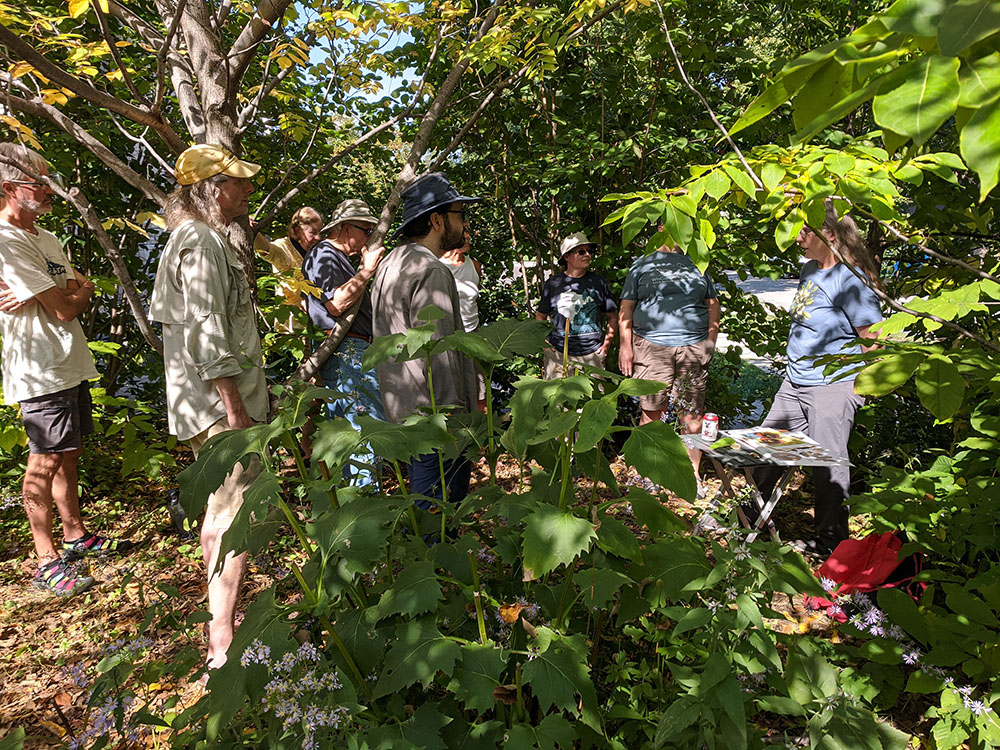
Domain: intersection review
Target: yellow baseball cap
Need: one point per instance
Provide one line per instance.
(207, 160)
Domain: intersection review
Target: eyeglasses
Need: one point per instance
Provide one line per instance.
(55, 179)
(460, 211)
(582, 250)
(366, 231)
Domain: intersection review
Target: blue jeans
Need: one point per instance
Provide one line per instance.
(342, 372)
(425, 478)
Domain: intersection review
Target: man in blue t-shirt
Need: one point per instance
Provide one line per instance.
(582, 298)
(669, 323)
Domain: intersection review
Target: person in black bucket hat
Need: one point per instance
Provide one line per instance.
(409, 279)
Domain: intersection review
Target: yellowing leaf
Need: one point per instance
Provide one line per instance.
(53, 96)
(78, 7)
(20, 69)
(154, 218)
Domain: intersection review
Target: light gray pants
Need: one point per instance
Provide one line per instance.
(826, 414)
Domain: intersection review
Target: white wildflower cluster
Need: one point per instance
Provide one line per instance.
(299, 687)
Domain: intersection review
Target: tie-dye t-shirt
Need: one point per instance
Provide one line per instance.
(828, 306)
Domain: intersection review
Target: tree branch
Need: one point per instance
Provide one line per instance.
(250, 111)
(102, 20)
(86, 91)
(163, 53)
(38, 108)
(245, 46)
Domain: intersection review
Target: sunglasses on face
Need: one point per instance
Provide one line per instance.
(56, 180)
(584, 250)
(366, 231)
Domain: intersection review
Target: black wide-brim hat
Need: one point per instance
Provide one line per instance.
(427, 193)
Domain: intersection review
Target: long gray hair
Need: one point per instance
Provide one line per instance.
(195, 202)
(847, 239)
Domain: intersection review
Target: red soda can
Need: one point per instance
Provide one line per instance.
(710, 427)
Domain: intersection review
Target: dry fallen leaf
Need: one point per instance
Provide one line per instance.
(510, 612)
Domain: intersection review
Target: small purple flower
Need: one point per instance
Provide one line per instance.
(978, 708)
(256, 653)
(876, 630)
(873, 616)
(835, 610)
(895, 632)
(486, 555)
(828, 584)
(912, 657)
(741, 552)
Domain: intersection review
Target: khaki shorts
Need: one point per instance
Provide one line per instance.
(553, 362)
(57, 422)
(225, 502)
(683, 368)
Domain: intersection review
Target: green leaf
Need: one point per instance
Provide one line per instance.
(554, 537)
(916, 17)
(418, 435)
(717, 184)
(422, 730)
(656, 452)
(595, 420)
(650, 512)
(474, 681)
(335, 441)
(903, 611)
(559, 673)
(742, 180)
(418, 652)
(980, 81)
(789, 227)
(968, 21)
(809, 675)
(356, 532)
(693, 619)
(551, 733)
(940, 386)
(637, 217)
(616, 538)
(679, 715)
(415, 590)
(837, 111)
(886, 375)
(13, 740)
(827, 86)
(511, 338)
(677, 225)
(773, 97)
(779, 704)
(599, 585)
(671, 564)
(461, 733)
(980, 147)
(918, 97)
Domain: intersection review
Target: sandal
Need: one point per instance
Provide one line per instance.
(93, 544)
(60, 579)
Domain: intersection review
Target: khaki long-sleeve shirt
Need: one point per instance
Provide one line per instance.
(202, 298)
(409, 279)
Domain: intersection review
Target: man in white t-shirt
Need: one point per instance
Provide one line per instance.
(46, 366)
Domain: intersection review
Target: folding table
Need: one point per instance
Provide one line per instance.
(746, 449)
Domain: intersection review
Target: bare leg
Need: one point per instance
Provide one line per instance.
(45, 481)
(692, 425)
(223, 591)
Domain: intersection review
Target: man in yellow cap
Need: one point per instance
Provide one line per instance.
(211, 349)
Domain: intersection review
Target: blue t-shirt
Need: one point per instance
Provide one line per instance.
(328, 268)
(590, 298)
(670, 294)
(828, 306)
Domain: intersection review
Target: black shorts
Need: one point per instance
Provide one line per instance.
(57, 422)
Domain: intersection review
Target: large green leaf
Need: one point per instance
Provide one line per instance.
(598, 586)
(980, 81)
(968, 21)
(616, 538)
(216, 459)
(670, 565)
(886, 375)
(510, 338)
(828, 85)
(485, 734)
(940, 386)
(916, 17)
(980, 147)
(657, 452)
(651, 513)
(422, 730)
(809, 675)
(559, 673)
(418, 652)
(787, 85)
(335, 441)
(554, 537)
(536, 402)
(551, 733)
(418, 435)
(918, 97)
(595, 420)
(415, 590)
(355, 532)
(13, 740)
(475, 679)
